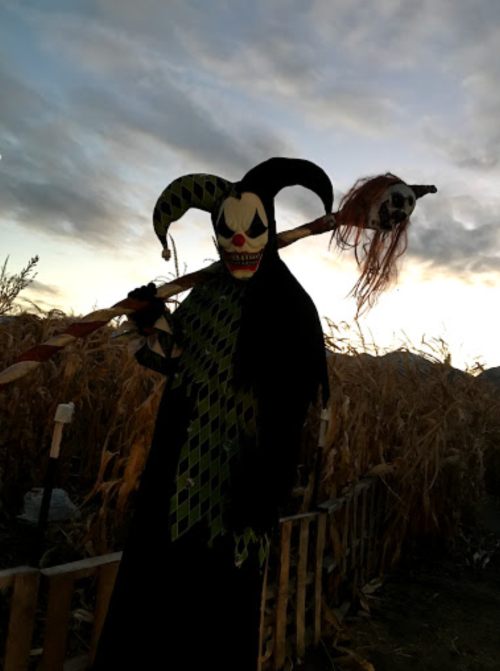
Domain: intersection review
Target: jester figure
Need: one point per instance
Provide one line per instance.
(244, 358)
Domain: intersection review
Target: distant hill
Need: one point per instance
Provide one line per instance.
(406, 363)
(491, 375)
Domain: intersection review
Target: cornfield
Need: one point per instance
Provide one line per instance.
(431, 433)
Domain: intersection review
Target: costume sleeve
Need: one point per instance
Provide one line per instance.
(158, 351)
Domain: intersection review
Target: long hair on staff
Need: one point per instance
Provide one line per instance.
(377, 251)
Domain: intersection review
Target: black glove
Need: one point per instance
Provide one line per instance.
(145, 319)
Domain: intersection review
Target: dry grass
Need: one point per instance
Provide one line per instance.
(104, 448)
(428, 430)
(428, 433)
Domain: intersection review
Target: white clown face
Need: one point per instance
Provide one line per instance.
(242, 233)
(395, 206)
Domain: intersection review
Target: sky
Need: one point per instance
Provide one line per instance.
(103, 103)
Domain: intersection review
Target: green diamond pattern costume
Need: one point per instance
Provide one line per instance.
(225, 416)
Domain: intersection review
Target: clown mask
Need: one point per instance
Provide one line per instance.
(242, 234)
(395, 206)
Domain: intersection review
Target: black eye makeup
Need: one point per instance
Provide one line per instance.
(398, 200)
(257, 227)
(223, 229)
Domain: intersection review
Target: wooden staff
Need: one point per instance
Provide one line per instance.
(39, 354)
(64, 415)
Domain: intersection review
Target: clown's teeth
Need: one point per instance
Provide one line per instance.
(243, 259)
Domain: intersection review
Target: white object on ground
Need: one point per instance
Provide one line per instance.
(61, 506)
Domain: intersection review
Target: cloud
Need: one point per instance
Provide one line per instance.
(269, 58)
(456, 236)
(133, 96)
(90, 162)
(343, 65)
(48, 180)
(17, 97)
(473, 63)
(471, 150)
(42, 288)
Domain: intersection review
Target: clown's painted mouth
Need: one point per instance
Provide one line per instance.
(242, 261)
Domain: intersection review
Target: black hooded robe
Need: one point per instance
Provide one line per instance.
(185, 602)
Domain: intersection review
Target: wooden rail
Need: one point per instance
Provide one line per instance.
(318, 555)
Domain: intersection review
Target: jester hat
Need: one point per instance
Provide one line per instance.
(209, 192)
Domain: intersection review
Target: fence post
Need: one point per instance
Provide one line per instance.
(300, 615)
(362, 563)
(58, 615)
(106, 582)
(22, 620)
(354, 563)
(345, 537)
(263, 613)
(282, 597)
(371, 531)
(318, 577)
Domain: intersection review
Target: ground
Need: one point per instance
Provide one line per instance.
(439, 611)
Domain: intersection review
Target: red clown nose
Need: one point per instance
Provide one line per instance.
(238, 240)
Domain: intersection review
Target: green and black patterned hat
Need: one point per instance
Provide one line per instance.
(200, 191)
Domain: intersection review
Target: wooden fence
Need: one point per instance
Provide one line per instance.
(321, 561)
